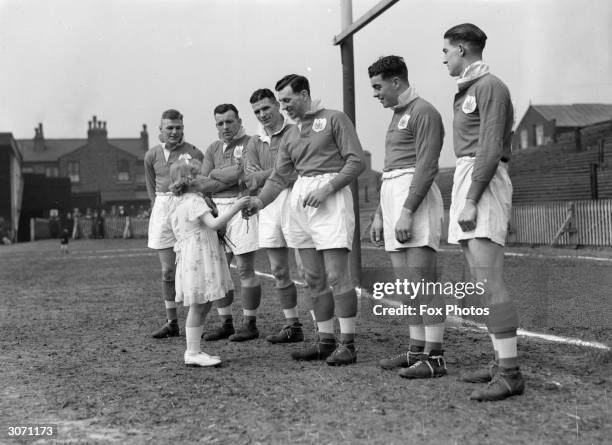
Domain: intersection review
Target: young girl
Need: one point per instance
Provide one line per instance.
(202, 273)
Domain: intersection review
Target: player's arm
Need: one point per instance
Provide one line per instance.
(493, 107)
(493, 104)
(254, 175)
(351, 151)
(149, 169)
(376, 228)
(229, 174)
(279, 179)
(207, 186)
(429, 137)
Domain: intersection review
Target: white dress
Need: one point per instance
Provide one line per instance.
(202, 273)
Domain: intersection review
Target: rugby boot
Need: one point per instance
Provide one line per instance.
(481, 375)
(248, 331)
(344, 354)
(292, 333)
(320, 349)
(505, 383)
(403, 360)
(223, 331)
(201, 359)
(429, 366)
(170, 329)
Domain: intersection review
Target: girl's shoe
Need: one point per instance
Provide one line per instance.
(201, 359)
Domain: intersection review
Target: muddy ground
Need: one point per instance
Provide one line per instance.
(75, 352)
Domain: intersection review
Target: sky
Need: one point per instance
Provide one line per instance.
(126, 61)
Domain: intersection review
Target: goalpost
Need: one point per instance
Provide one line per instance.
(345, 40)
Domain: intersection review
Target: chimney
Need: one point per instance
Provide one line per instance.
(39, 138)
(144, 137)
(96, 129)
(368, 160)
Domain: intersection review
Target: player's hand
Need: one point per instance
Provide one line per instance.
(251, 168)
(403, 226)
(253, 206)
(316, 197)
(243, 202)
(376, 231)
(467, 217)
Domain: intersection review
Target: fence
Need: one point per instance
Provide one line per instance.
(585, 223)
(110, 227)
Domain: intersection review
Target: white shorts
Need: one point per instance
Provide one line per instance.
(274, 222)
(426, 220)
(242, 233)
(160, 232)
(493, 208)
(330, 226)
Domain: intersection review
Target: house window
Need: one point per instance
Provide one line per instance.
(27, 170)
(51, 172)
(539, 134)
(73, 172)
(123, 170)
(524, 139)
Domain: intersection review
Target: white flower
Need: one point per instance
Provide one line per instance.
(186, 157)
(238, 152)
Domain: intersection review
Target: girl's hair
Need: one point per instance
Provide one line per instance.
(183, 174)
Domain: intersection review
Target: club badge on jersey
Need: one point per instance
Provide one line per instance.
(469, 104)
(403, 122)
(319, 124)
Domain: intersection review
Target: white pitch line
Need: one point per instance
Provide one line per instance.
(460, 322)
(106, 257)
(455, 320)
(526, 255)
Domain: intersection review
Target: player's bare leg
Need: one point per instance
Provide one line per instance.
(313, 263)
(224, 309)
(346, 304)
(428, 326)
(167, 260)
(486, 265)
(250, 291)
(287, 295)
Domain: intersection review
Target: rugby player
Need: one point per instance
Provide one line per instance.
(223, 161)
(327, 156)
(274, 128)
(482, 198)
(409, 218)
(157, 164)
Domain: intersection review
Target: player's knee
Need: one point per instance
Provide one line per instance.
(246, 271)
(315, 281)
(338, 280)
(280, 272)
(167, 273)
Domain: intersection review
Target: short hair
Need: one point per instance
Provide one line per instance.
(389, 66)
(172, 114)
(262, 94)
(295, 81)
(466, 32)
(224, 108)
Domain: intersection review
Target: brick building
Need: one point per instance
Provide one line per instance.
(103, 172)
(551, 124)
